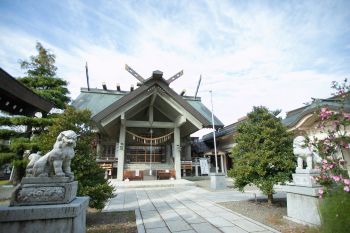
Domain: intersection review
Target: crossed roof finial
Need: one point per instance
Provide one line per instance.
(142, 80)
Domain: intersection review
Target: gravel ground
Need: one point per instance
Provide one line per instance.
(110, 222)
(260, 210)
(271, 215)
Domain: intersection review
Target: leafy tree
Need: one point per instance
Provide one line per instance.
(263, 155)
(41, 77)
(86, 170)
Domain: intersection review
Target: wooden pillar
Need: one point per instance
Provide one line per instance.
(176, 152)
(121, 152)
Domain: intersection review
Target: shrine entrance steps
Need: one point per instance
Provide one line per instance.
(151, 183)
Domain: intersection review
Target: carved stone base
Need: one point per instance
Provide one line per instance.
(44, 191)
(302, 204)
(307, 171)
(305, 179)
(62, 218)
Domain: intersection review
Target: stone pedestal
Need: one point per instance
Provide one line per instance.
(302, 198)
(62, 218)
(44, 191)
(217, 181)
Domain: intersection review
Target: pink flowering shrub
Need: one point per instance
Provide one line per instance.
(334, 124)
(335, 191)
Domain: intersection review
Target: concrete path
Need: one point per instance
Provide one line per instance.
(185, 209)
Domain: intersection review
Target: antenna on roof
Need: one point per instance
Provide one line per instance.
(199, 83)
(87, 76)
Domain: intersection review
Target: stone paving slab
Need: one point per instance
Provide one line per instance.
(219, 222)
(205, 227)
(234, 229)
(181, 209)
(178, 225)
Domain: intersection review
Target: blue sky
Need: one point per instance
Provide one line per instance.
(273, 53)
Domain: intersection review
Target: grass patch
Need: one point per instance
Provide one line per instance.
(5, 182)
(110, 222)
(269, 214)
(334, 210)
(4, 202)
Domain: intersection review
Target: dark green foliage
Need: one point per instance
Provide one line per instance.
(6, 157)
(41, 77)
(86, 170)
(263, 154)
(23, 120)
(334, 210)
(8, 133)
(19, 145)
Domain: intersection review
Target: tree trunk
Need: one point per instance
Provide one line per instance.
(269, 198)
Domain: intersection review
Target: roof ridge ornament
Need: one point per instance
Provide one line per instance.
(156, 74)
(176, 76)
(134, 73)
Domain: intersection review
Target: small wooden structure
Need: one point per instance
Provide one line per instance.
(133, 175)
(165, 174)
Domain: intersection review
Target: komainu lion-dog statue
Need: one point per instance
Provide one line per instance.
(56, 163)
(304, 153)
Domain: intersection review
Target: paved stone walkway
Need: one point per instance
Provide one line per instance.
(184, 209)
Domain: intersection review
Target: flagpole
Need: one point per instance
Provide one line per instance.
(87, 76)
(212, 122)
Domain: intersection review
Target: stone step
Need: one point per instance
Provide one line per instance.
(151, 183)
(155, 166)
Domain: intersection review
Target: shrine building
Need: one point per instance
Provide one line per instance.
(145, 132)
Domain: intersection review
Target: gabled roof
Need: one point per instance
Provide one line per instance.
(96, 99)
(227, 130)
(102, 103)
(293, 117)
(16, 98)
(296, 115)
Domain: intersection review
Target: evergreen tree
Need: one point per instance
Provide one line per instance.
(41, 77)
(263, 154)
(86, 170)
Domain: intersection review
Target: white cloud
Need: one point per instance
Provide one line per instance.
(248, 54)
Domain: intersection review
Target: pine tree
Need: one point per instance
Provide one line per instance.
(263, 154)
(41, 77)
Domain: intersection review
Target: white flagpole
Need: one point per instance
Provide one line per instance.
(212, 122)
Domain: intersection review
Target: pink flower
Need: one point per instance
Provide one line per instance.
(324, 161)
(320, 192)
(346, 116)
(325, 113)
(346, 189)
(336, 178)
(346, 181)
(335, 123)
